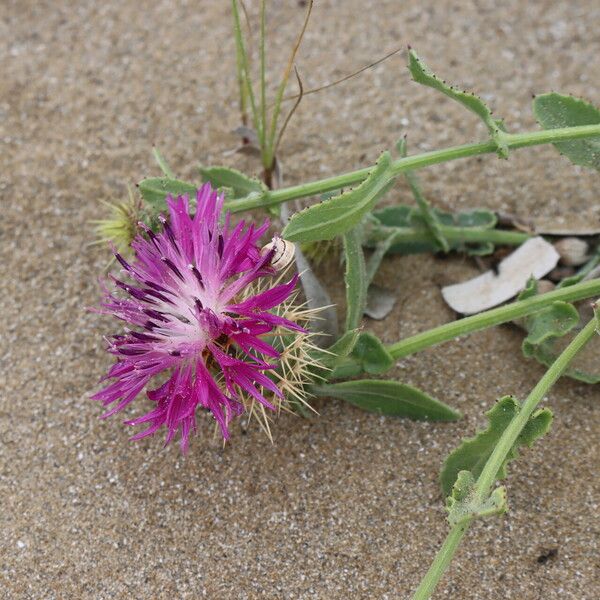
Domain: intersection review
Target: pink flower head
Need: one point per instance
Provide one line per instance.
(191, 315)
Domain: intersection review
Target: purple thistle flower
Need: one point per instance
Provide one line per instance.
(192, 313)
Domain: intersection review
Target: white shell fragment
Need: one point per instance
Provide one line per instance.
(534, 258)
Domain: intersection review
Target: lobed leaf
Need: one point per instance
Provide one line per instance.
(546, 327)
(474, 452)
(554, 110)
(422, 74)
(333, 217)
(389, 398)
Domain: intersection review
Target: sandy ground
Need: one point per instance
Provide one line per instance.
(346, 505)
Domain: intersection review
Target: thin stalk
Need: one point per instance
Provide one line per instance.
(418, 161)
(489, 474)
(239, 66)
(495, 316)
(268, 155)
(245, 72)
(263, 82)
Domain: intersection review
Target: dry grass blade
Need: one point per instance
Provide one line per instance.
(346, 77)
(291, 113)
(286, 77)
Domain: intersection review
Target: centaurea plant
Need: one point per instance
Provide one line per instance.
(205, 312)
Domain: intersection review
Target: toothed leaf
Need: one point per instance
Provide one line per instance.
(421, 73)
(331, 218)
(556, 110)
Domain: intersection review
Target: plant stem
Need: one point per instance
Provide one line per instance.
(495, 316)
(490, 471)
(450, 232)
(263, 81)
(418, 161)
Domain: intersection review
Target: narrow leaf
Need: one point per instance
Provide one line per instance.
(355, 278)
(236, 184)
(474, 452)
(162, 163)
(155, 189)
(330, 218)
(389, 398)
(421, 73)
(556, 110)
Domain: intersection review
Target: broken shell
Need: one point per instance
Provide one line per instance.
(573, 251)
(535, 258)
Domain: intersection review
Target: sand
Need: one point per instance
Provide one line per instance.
(346, 505)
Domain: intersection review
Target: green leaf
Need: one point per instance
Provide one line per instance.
(553, 321)
(544, 330)
(464, 506)
(234, 182)
(344, 345)
(474, 452)
(355, 278)
(421, 73)
(162, 163)
(333, 356)
(556, 110)
(155, 189)
(427, 214)
(547, 352)
(582, 272)
(389, 398)
(331, 218)
(410, 219)
(372, 356)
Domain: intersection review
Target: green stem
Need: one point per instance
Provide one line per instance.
(506, 442)
(495, 316)
(263, 81)
(239, 64)
(450, 233)
(419, 161)
(490, 472)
